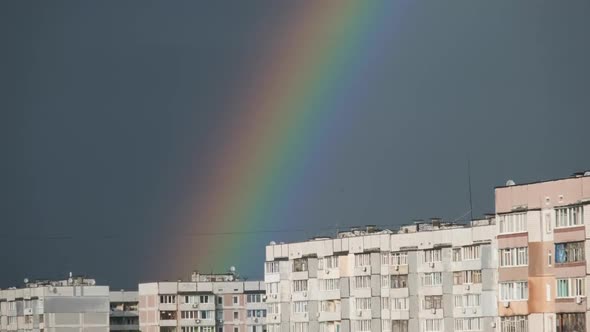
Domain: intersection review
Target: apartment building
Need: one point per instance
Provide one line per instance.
(206, 303)
(425, 277)
(124, 312)
(543, 232)
(74, 304)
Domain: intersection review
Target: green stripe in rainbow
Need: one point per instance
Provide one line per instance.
(281, 118)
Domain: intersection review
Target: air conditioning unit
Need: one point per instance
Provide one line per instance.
(274, 296)
(431, 264)
(397, 267)
(359, 313)
(195, 305)
(264, 297)
(364, 269)
(579, 299)
(304, 294)
(220, 321)
(506, 304)
(464, 310)
(327, 271)
(474, 310)
(198, 321)
(467, 287)
(433, 310)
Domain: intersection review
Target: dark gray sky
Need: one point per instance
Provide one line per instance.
(106, 104)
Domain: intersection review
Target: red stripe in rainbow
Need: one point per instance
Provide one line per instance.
(280, 115)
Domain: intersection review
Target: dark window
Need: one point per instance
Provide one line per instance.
(569, 252)
(571, 322)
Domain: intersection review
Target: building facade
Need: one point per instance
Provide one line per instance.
(437, 277)
(124, 312)
(72, 305)
(543, 232)
(206, 303)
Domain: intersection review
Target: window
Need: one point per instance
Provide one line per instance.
(254, 298)
(394, 258)
(300, 286)
(330, 306)
(399, 303)
(399, 281)
(256, 313)
(514, 257)
(467, 277)
(432, 302)
(189, 314)
(329, 284)
(272, 288)
(467, 300)
(569, 252)
(326, 263)
(272, 267)
(236, 329)
(471, 252)
(206, 314)
(513, 223)
(385, 303)
(432, 279)
(236, 300)
(328, 327)
(570, 322)
(362, 282)
(220, 300)
(300, 327)
(362, 260)
(569, 216)
(167, 315)
(433, 255)
(300, 265)
(399, 326)
(299, 307)
(197, 329)
(362, 325)
(456, 254)
(168, 299)
(273, 327)
(514, 291)
(363, 303)
(236, 315)
(204, 299)
(570, 287)
(514, 324)
(385, 281)
(433, 325)
(468, 324)
(273, 308)
(191, 299)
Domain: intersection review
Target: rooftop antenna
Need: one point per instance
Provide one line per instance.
(469, 179)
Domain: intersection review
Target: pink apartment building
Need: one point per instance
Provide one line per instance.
(543, 233)
(206, 303)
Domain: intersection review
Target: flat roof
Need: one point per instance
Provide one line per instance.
(572, 177)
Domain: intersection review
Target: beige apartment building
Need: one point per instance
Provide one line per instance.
(206, 303)
(424, 277)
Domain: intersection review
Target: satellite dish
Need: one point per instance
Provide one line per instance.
(510, 183)
(232, 269)
(272, 243)
(26, 281)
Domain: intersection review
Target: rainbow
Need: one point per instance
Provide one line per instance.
(323, 52)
